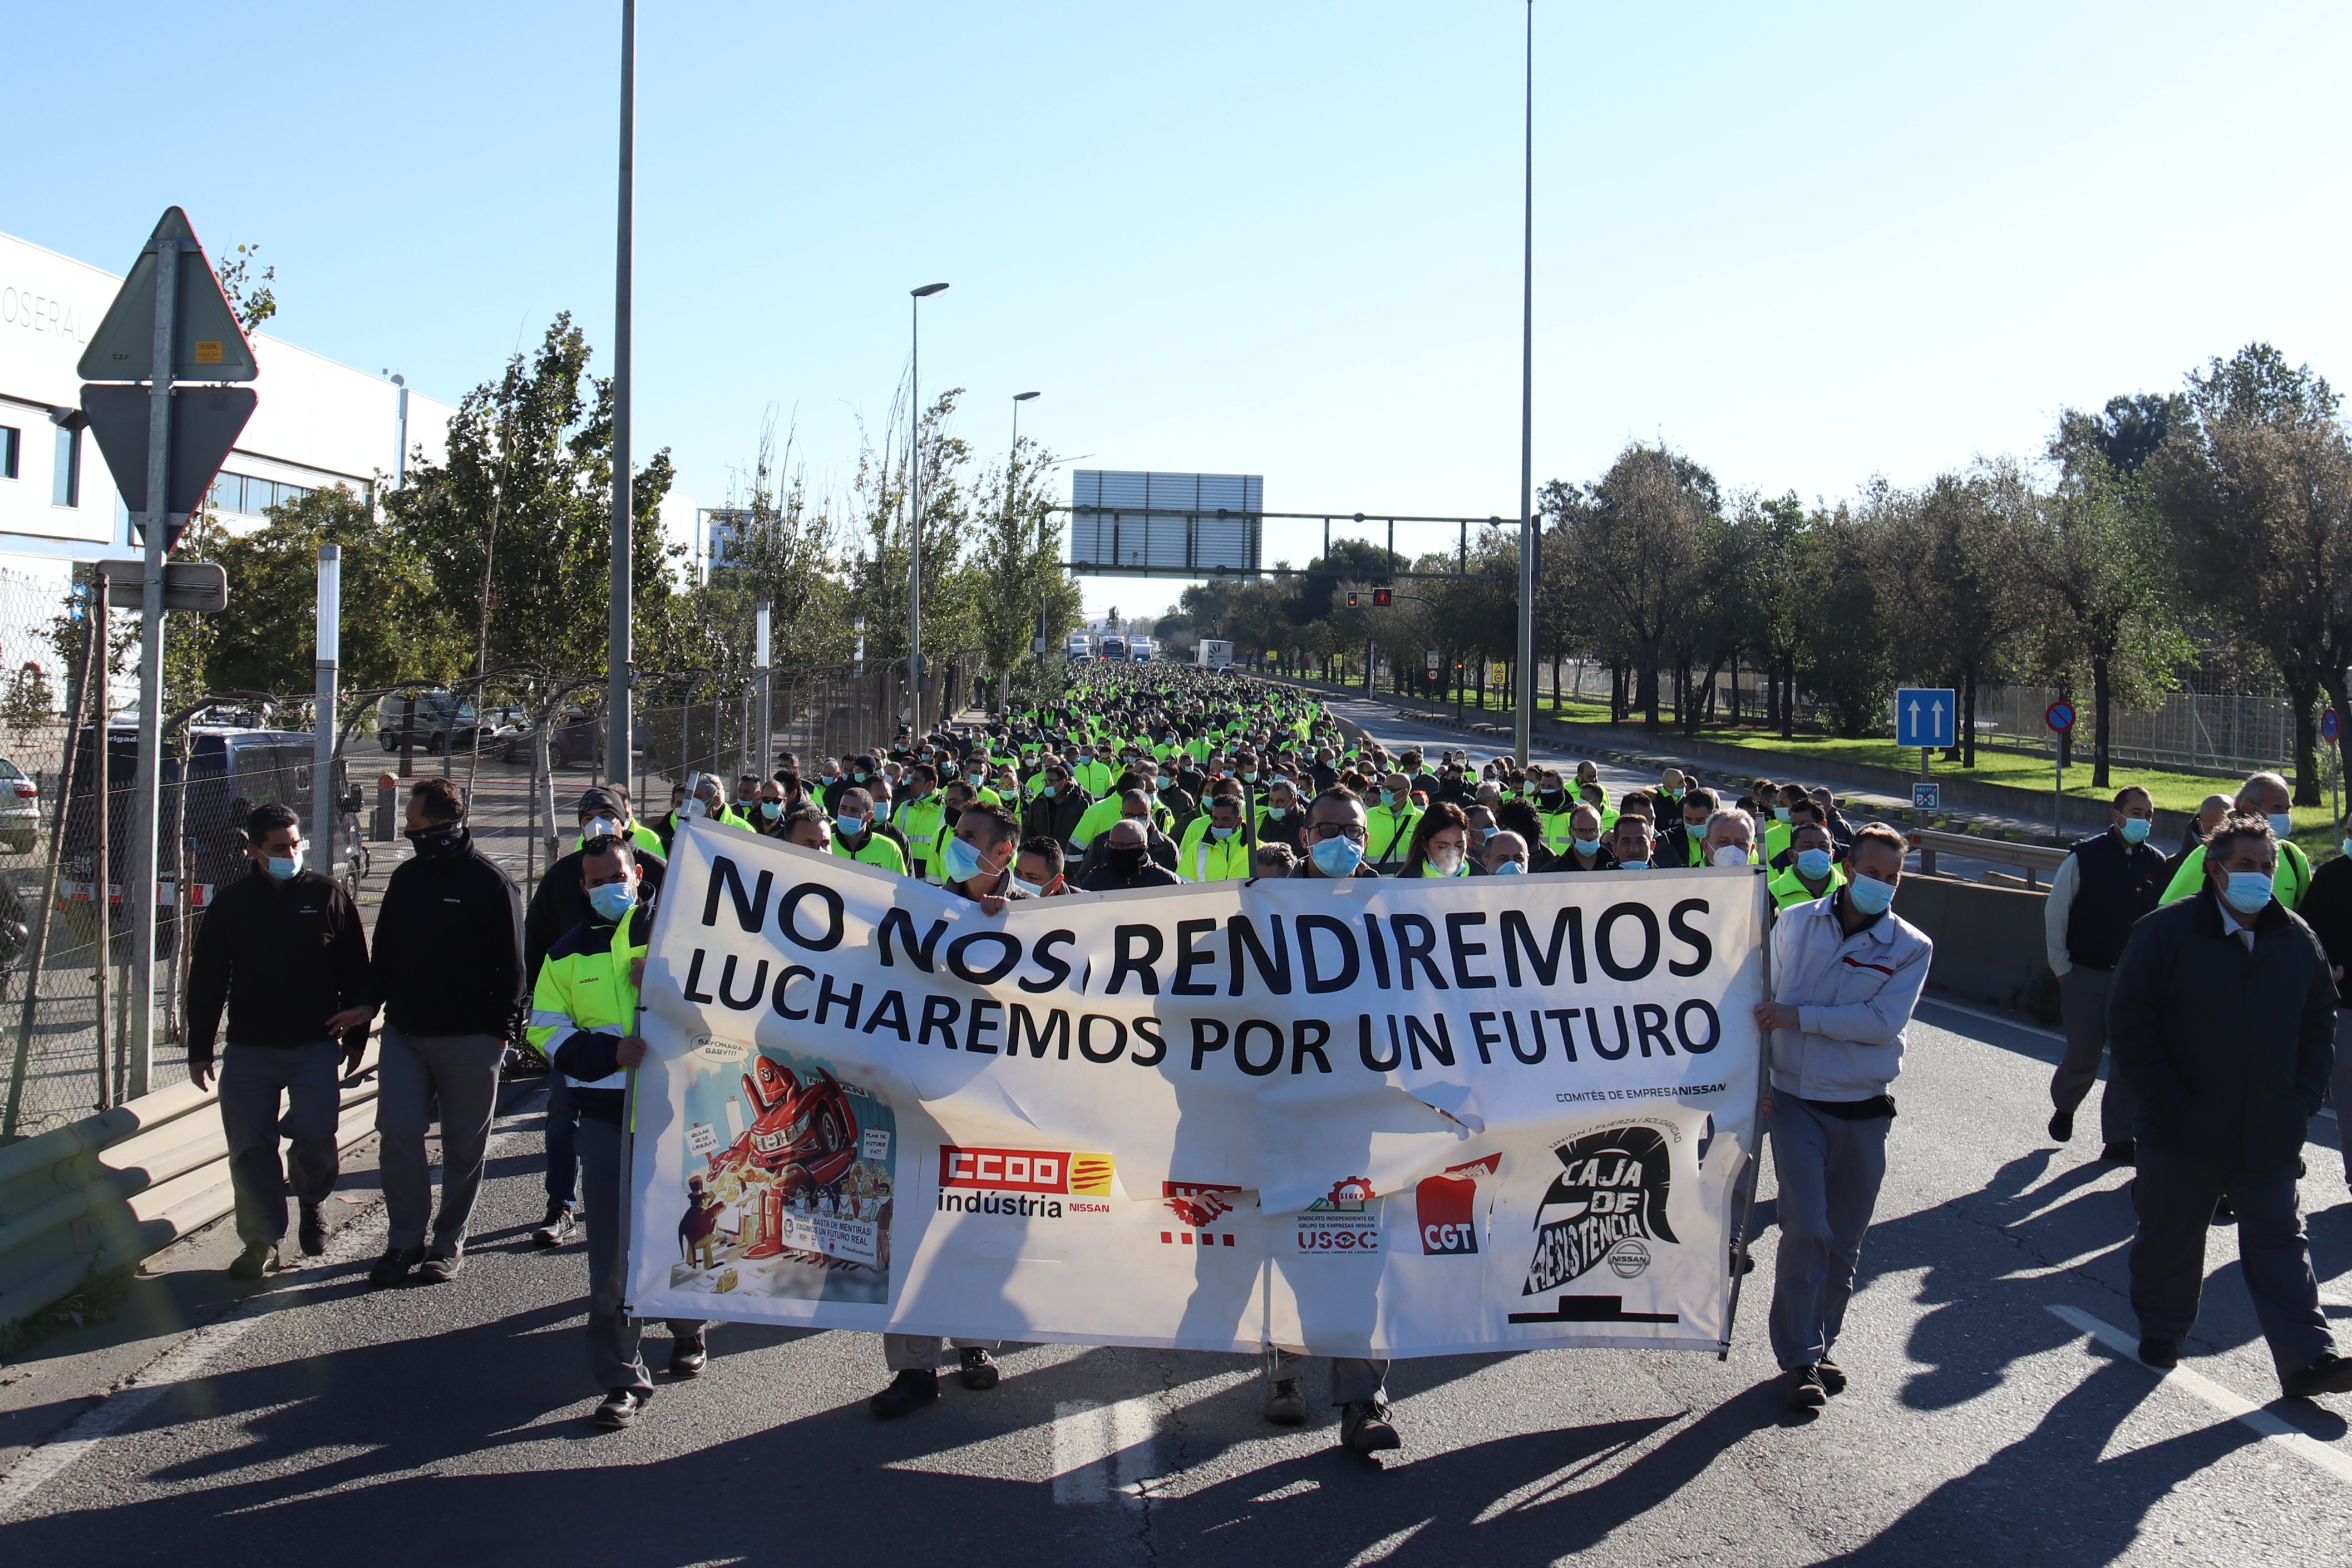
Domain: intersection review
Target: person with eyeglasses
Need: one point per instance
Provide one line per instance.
(1587, 848)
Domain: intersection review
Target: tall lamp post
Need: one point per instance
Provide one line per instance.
(915, 679)
(620, 634)
(1524, 728)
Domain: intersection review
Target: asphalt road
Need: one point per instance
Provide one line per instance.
(322, 1420)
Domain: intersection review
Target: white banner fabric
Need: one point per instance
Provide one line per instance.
(1356, 1118)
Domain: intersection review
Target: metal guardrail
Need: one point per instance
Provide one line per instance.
(81, 1201)
(2034, 859)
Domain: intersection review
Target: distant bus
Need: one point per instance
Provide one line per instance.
(1215, 653)
(1111, 647)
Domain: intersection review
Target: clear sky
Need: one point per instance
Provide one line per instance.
(1804, 244)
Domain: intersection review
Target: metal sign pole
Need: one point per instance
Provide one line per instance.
(147, 788)
(323, 803)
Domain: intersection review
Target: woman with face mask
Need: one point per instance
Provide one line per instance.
(1440, 846)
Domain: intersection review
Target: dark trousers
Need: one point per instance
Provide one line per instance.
(2083, 1007)
(2174, 1200)
(1829, 1170)
(2341, 1090)
(268, 1093)
(562, 1147)
(614, 1360)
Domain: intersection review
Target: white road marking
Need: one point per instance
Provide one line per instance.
(2302, 1444)
(1102, 1451)
(190, 1359)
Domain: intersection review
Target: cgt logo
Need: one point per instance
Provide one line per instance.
(1443, 1207)
(1025, 1171)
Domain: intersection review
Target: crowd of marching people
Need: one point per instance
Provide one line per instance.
(1144, 776)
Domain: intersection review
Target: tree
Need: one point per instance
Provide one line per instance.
(522, 503)
(1956, 554)
(1024, 593)
(879, 572)
(397, 626)
(1634, 538)
(1849, 630)
(2254, 489)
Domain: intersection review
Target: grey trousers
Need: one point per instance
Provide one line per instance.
(1829, 1170)
(2341, 1090)
(921, 1353)
(1353, 1378)
(266, 1092)
(2083, 1008)
(453, 1078)
(614, 1360)
(2174, 1200)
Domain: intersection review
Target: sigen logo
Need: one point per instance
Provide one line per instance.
(1026, 1171)
(1444, 1208)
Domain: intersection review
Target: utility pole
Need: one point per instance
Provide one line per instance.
(1523, 731)
(759, 653)
(621, 651)
(325, 811)
(916, 680)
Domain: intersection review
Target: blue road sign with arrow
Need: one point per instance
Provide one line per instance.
(1925, 716)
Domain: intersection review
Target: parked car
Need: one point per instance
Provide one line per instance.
(20, 808)
(431, 721)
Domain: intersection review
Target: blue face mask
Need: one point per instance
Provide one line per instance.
(1389, 798)
(1336, 857)
(772, 809)
(2248, 892)
(1812, 864)
(1781, 814)
(1632, 864)
(849, 826)
(611, 901)
(2135, 829)
(962, 861)
(1514, 868)
(2282, 824)
(1276, 812)
(285, 868)
(1047, 792)
(1586, 846)
(1215, 832)
(1870, 895)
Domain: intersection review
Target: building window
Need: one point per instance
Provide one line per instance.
(66, 489)
(11, 439)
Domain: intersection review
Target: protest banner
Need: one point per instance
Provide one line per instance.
(1354, 1117)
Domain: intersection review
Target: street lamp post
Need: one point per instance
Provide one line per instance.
(915, 679)
(1524, 728)
(620, 634)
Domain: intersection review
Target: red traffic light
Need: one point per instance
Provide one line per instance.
(1383, 598)
(1351, 600)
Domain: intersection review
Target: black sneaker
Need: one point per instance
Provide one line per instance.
(1286, 1402)
(393, 1267)
(439, 1269)
(2061, 1125)
(557, 1227)
(689, 1356)
(2331, 1374)
(1364, 1427)
(2124, 1152)
(908, 1392)
(620, 1408)
(1832, 1376)
(312, 1232)
(2162, 1353)
(978, 1370)
(259, 1258)
(1804, 1389)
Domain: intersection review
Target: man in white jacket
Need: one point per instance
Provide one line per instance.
(1846, 973)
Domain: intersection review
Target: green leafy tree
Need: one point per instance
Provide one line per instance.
(1634, 538)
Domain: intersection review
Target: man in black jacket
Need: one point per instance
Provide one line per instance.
(2328, 909)
(1054, 813)
(2223, 1024)
(448, 971)
(283, 951)
(2105, 884)
(557, 905)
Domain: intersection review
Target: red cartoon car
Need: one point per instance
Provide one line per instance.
(804, 1136)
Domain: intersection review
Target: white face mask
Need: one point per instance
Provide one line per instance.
(1730, 856)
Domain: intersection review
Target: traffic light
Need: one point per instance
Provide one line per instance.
(1351, 600)
(1383, 598)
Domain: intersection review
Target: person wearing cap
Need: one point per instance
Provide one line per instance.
(559, 903)
(605, 809)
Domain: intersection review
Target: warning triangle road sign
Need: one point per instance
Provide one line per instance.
(205, 423)
(207, 343)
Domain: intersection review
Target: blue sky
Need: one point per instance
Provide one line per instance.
(1804, 244)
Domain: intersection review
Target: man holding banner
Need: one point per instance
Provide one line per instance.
(1846, 973)
(1329, 1114)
